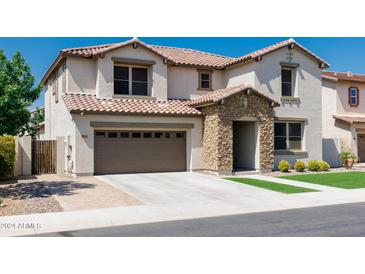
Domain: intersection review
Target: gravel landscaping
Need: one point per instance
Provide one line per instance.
(26, 196)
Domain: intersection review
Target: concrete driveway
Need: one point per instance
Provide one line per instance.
(187, 188)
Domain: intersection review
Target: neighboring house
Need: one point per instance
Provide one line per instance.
(133, 107)
(343, 115)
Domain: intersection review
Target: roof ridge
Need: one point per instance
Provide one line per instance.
(344, 72)
(194, 50)
(87, 47)
(252, 53)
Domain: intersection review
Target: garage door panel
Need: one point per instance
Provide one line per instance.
(125, 155)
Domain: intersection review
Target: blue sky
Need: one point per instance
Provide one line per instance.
(344, 54)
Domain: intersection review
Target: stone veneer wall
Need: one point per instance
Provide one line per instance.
(217, 147)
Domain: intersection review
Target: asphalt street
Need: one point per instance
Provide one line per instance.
(325, 221)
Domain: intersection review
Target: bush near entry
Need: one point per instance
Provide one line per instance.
(284, 166)
(299, 166)
(324, 166)
(7, 156)
(313, 165)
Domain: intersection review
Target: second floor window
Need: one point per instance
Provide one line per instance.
(353, 96)
(287, 82)
(205, 80)
(129, 80)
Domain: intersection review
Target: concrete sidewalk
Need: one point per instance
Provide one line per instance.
(294, 183)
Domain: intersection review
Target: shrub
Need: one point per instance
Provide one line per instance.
(7, 156)
(284, 166)
(347, 155)
(348, 158)
(299, 166)
(313, 165)
(324, 166)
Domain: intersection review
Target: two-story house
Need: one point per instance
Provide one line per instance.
(343, 111)
(133, 107)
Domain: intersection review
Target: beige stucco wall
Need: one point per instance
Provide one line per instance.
(105, 78)
(23, 157)
(59, 122)
(183, 82)
(84, 159)
(308, 90)
(339, 136)
(343, 106)
(244, 74)
(81, 75)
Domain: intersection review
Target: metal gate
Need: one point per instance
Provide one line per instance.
(43, 156)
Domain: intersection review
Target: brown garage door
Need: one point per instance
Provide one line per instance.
(361, 147)
(139, 151)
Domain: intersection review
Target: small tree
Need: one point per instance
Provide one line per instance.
(38, 117)
(17, 93)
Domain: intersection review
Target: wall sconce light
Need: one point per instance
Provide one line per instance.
(245, 103)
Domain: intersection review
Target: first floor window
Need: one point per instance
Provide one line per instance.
(287, 136)
(130, 80)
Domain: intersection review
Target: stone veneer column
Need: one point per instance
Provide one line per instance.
(266, 130)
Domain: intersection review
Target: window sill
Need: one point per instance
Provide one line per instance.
(142, 97)
(205, 89)
(290, 152)
(290, 99)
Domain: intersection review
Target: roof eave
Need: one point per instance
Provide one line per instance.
(60, 57)
(343, 120)
(85, 112)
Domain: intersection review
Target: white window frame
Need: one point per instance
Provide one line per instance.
(130, 82)
(287, 136)
(292, 81)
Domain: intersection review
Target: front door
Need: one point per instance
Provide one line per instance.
(244, 145)
(361, 147)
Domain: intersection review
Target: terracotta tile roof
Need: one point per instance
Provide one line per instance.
(344, 76)
(217, 95)
(176, 56)
(350, 119)
(253, 55)
(86, 51)
(182, 56)
(89, 103)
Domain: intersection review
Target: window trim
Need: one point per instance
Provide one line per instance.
(55, 87)
(210, 73)
(64, 77)
(130, 77)
(288, 149)
(292, 70)
(350, 96)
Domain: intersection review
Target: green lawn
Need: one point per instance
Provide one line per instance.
(347, 180)
(288, 189)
